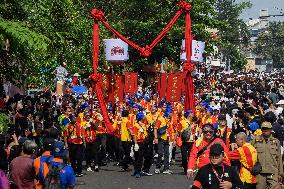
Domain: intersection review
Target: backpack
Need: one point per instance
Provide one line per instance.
(185, 135)
(150, 129)
(162, 130)
(52, 179)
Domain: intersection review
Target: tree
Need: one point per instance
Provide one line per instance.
(270, 44)
(234, 34)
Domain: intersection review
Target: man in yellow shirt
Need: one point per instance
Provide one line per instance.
(126, 139)
(187, 136)
(207, 118)
(161, 134)
(247, 155)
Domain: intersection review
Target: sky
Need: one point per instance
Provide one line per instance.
(273, 6)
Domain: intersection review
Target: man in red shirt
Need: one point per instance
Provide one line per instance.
(91, 147)
(74, 139)
(21, 167)
(200, 150)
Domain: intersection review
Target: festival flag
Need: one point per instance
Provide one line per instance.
(162, 85)
(131, 85)
(174, 87)
(118, 87)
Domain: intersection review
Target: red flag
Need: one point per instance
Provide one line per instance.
(163, 85)
(174, 87)
(118, 87)
(130, 83)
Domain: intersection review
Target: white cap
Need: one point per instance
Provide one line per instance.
(281, 102)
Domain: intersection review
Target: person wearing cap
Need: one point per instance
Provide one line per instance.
(161, 137)
(187, 132)
(116, 136)
(92, 148)
(150, 120)
(101, 137)
(126, 140)
(199, 111)
(199, 155)
(75, 80)
(217, 174)
(207, 117)
(48, 144)
(269, 156)
(247, 155)
(74, 139)
(67, 176)
(139, 135)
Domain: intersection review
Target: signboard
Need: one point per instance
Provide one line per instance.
(198, 48)
(116, 50)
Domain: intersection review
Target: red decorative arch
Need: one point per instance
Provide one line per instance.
(146, 51)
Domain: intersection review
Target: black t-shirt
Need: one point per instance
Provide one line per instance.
(206, 178)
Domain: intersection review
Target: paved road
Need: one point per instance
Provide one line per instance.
(110, 177)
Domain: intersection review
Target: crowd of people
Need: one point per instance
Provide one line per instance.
(233, 138)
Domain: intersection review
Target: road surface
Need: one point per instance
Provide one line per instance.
(110, 177)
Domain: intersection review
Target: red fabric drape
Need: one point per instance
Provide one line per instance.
(96, 42)
(188, 66)
(132, 44)
(165, 30)
(145, 51)
(96, 78)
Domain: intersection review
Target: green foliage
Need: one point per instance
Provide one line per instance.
(234, 33)
(23, 35)
(270, 44)
(45, 33)
(4, 122)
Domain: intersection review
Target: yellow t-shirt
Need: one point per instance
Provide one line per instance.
(125, 130)
(151, 118)
(184, 125)
(164, 123)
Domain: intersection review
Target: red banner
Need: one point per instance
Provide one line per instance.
(131, 85)
(162, 83)
(118, 87)
(174, 87)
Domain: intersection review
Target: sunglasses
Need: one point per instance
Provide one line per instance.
(213, 156)
(208, 132)
(266, 129)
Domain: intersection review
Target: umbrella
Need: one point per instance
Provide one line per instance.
(79, 89)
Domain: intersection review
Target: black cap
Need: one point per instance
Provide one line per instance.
(48, 143)
(125, 113)
(222, 117)
(216, 149)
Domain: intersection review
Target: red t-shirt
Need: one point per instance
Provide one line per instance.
(22, 172)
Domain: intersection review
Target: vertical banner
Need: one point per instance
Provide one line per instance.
(118, 87)
(198, 48)
(174, 87)
(108, 84)
(131, 83)
(162, 83)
